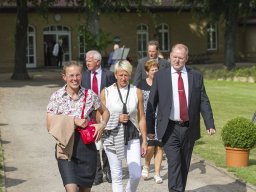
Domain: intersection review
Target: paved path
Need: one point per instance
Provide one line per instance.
(29, 161)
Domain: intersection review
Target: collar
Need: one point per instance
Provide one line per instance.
(99, 70)
(63, 91)
(183, 70)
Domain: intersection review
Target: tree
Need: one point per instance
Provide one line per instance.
(20, 71)
(227, 11)
(92, 9)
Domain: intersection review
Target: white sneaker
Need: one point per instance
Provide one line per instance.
(158, 179)
(144, 173)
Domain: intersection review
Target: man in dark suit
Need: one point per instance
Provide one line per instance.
(153, 52)
(179, 94)
(104, 78)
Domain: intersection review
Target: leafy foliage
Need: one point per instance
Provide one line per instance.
(239, 133)
(229, 12)
(212, 72)
(100, 45)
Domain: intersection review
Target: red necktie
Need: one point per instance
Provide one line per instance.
(95, 83)
(182, 99)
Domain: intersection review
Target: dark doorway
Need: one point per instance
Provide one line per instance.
(49, 42)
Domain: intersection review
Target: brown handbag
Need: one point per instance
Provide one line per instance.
(87, 132)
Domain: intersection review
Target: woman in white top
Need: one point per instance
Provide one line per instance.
(126, 124)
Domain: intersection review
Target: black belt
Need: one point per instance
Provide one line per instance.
(180, 123)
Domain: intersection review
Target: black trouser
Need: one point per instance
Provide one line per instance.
(100, 169)
(178, 147)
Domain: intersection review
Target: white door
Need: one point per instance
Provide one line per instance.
(31, 48)
(51, 35)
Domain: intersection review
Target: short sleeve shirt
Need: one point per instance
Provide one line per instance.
(61, 103)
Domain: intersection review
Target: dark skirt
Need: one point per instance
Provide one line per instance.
(81, 169)
(155, 143)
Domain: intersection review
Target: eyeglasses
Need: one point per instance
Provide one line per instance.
(72, 76)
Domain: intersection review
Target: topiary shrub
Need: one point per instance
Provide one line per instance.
(239, 133)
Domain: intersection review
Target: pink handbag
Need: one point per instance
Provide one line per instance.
(87, 132)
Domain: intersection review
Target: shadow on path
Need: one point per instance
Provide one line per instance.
(227, 187)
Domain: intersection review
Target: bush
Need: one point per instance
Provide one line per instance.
(239, 133)
(212, 72)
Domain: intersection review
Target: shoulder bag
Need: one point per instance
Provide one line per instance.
(87, 132)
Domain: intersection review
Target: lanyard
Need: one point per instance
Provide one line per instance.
(124, 104)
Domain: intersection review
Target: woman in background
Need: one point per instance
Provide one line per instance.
(155, 147)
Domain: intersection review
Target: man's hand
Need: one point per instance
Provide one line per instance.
(211, 131)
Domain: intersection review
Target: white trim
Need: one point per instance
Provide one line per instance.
(212, 33)
(81, 35)
(142, 31)
(31, 34)
(58, 31)
(161, 31)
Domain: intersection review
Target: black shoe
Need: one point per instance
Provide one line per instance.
(108, 176)
(97, 182)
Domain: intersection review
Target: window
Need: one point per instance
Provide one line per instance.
(163, 37)
(31, 55)
(212, 37)
(82, 44)
(142, 40)
(57, 28)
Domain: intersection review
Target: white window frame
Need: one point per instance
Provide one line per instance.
(82, 44)
(212, 34)
(60, 30)
(142, 40)
(163, 33)
(31, 35)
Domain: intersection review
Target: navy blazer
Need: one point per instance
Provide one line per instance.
(140, 70)
(161, 96)
(107, 79)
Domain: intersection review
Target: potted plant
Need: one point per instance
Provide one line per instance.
(238, 136)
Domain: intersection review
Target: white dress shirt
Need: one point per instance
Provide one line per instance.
(175, 110)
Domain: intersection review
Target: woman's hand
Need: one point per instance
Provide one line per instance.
(124, 118)
(144, 147)
(80, 122)
(99, 128)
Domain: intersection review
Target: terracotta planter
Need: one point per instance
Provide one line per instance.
(236, 157)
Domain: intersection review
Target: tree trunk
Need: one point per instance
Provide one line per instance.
(20, 71)
(230, 36)
(93, 22)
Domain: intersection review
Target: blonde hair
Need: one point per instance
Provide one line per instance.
(69, 64)
(151, 63)
(124, 65)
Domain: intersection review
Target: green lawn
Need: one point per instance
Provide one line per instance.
(228, 100)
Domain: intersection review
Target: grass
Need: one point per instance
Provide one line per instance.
(229, 100)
